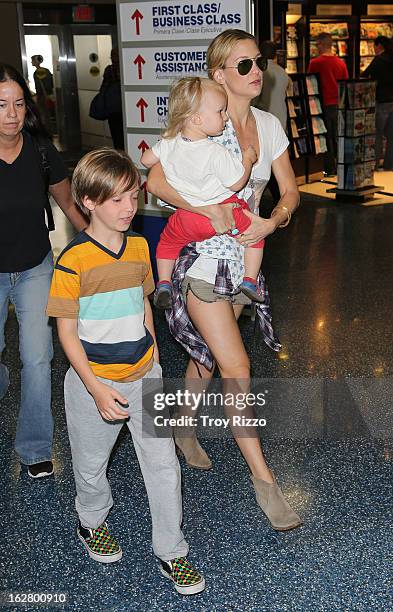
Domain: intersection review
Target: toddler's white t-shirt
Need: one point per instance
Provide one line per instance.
(201, 171)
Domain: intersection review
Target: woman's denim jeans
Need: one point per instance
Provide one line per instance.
(28, 291)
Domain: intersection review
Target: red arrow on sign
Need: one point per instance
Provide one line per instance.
(142, 104)
(139, 61)
(143, 146)
(137, 16)
(144, 187)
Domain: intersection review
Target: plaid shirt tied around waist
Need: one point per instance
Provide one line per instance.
(179, 322)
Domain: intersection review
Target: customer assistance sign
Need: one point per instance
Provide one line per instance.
(159, 66)
(179, 20)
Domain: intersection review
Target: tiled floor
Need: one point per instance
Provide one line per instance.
(329, 440)
(384, 181)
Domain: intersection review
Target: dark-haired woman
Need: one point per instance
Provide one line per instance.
(26, 261)
(381, 70)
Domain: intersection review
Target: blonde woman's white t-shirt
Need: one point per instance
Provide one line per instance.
(201, 171)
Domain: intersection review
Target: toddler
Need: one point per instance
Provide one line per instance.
(203, 172)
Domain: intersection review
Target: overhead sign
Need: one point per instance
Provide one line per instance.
(379, 9)
(138, 143)
(180, 20)
(334, 9)
(146, 110)
(160, 66)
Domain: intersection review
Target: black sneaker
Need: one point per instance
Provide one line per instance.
(40, 470)
(186, 579)
(99, 543)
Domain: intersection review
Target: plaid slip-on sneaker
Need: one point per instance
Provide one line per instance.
(186, 579)
(99, 543)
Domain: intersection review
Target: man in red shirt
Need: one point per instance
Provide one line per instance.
(330, 69)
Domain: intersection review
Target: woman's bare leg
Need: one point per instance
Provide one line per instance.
(217, 324)
(197, 379)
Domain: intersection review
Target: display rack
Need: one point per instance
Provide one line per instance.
(315, 114)
(298, 124)
(369, 30)
(344, 32)
(306, 128)
(356, 141)
(292, 47)
(339, 31)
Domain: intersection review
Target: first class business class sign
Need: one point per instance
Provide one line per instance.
(156, 21)
(162, 41)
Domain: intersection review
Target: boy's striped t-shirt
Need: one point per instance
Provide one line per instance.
(105, 292)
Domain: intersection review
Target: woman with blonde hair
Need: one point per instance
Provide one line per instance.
(206, 302)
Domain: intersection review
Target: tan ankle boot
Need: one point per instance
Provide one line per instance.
(275, 506)
(193, 452)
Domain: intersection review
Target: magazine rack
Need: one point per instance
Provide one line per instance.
(306, 128)
(356, 141)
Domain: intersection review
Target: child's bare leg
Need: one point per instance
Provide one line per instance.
(165, 269)
(252, 262)
(163, 293)
(252, 265)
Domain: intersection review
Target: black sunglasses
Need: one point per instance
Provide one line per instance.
(245, 65)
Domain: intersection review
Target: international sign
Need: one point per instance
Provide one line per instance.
(146, 109)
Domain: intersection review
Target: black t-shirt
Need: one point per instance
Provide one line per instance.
(381, 70)
(24, 239)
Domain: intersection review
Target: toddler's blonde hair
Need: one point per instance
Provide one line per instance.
(185, 98)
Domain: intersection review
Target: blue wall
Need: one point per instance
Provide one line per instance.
(150, 228)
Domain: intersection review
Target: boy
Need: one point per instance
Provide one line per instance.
(99, 297)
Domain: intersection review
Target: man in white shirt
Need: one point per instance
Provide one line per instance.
(275, 83)
(272, 100)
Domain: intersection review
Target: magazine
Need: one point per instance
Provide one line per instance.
(350, 150)
(369, 148)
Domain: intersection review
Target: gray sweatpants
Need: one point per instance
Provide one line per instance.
(92, 440)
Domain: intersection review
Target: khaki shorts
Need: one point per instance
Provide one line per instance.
(205, 291)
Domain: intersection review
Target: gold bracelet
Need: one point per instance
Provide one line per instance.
(288, 213)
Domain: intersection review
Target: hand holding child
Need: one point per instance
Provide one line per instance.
(221, 217)
(106, 399)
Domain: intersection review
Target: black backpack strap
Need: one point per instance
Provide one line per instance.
(45, 171)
